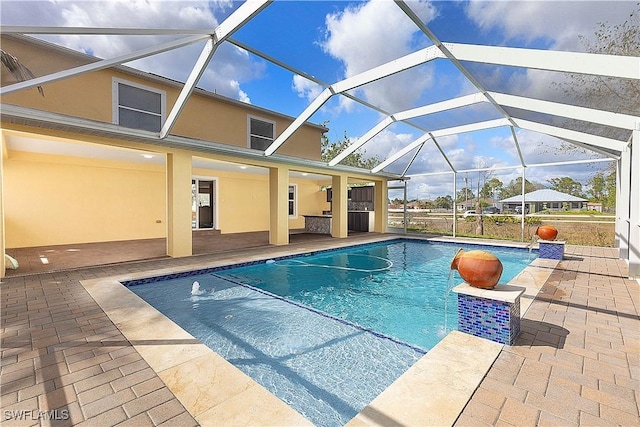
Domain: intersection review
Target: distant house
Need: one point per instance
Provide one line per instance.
(546, 199)
(593, 206)
(471, 204)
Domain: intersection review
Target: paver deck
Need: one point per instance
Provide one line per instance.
(576, 361)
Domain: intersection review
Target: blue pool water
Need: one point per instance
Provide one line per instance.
(328, 332)
(398, 289)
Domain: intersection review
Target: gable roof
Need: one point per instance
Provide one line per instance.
(545, 195)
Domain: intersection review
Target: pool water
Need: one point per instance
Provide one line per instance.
(399, 289)
(326, 333)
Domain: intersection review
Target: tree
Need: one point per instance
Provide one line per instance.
(491, 187)
(602, 92)
(566, 185)
(619, 95)
(465, 194)
(602, 189)
(515, 188)
(444, 202)
(357, 159)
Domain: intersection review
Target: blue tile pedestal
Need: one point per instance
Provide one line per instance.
(551, 249)
(493, 314)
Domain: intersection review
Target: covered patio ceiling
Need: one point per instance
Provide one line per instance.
(423, 124)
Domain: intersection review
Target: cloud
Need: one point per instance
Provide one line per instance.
(306, 88)
(369, 34)
(385, 144)
(553, 24)
(229, 67)
(559, 23)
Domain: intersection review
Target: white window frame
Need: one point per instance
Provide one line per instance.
(262, 119)
(295, 200)
(115, 104)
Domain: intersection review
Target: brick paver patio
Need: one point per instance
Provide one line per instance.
(577, 359)
(576, 362)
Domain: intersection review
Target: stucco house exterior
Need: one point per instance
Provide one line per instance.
(84, 163)
(545, 199)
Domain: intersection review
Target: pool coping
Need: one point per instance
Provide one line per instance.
(434, 391)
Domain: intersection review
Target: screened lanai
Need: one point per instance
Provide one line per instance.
(435, 91)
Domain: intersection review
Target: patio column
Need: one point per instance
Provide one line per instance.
(3, 156)
(279, 206)
(634, 205)
(623, 204)
(339, 206)
(179, 214)
(380, 206)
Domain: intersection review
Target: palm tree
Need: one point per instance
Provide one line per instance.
(17, 70)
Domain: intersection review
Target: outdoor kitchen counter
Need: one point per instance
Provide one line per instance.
(320, 224)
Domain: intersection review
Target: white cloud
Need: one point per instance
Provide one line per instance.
(306, 88)
(558, 22)
(229, 67)
(385, 144)
(369, 34)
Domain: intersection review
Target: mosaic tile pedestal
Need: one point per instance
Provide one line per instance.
(493, 314)
(551, 249)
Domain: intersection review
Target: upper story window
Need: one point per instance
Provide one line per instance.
(261, 133)
(138, 107)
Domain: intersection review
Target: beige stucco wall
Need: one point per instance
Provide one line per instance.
(53, 199)
(59, 200)
(206, 117)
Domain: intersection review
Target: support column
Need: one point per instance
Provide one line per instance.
(3, 156)
(179, 212)
(634, 206)
(623, 204)
(381, 206)
(339, 206)
(455, 205)
(523, 204)
(279, 206)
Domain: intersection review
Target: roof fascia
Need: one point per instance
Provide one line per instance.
(58, 122)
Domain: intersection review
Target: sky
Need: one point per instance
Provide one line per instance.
(333, 40)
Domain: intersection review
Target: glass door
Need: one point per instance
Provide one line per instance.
(202, 204)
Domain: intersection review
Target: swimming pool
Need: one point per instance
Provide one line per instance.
(399, 289)
(292, 324)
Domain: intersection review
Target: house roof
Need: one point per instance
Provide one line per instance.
(545, 195)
